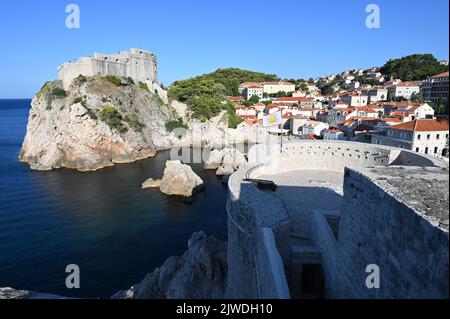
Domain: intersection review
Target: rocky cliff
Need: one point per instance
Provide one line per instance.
(95, 124)
(199, 274)
(102, 121)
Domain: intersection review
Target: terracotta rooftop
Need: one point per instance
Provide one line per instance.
(440, 75)
(423, 125)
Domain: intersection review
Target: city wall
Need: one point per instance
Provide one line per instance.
(370, 219)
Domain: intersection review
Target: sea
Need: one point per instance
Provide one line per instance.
(102, 222)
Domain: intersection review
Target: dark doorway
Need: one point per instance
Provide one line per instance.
(312, 281)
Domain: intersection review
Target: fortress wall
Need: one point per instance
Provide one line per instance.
(332, 156)
(137, 64)
(69, 71)
(376, 228)
(323, 237)
(251, 259)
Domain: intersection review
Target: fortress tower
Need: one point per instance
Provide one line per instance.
(138, 64)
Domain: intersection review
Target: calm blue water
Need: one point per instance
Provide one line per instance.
(101, 221)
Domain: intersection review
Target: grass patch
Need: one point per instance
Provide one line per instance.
(81, 79)
(172, 125)
(113, 118)
(144, 86)
(233, 119)
(59, 93)
(114, 80)
(92, 114)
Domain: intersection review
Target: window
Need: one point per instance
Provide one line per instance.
(437, 136)
(428, 136)
(418, 136)
(417, 149)
(435, 150)
(426, 150)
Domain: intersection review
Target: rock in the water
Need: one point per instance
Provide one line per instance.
(180, 179)
(151, 183)
(214, 160)
(232, 159)
(199, 274)
(10, 293)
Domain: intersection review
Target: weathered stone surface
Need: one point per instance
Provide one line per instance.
(10, 293)
(151, 183)
(180, 179)
(200, 273)
(214, 160)
(232, 159)
(71, 131)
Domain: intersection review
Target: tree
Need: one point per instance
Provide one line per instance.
(417, 97)
(413, 67)
(254, 99)
(209, 90)
(327, 89)
(440, 107)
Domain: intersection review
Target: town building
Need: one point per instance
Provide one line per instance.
(427, 136)
(314, 128)
(376, 94)
(333, 134)
(300, 101)
(275, 87)
(268, 87)
(354, 99)
(250, 91)
(405, 90)
(246, 112)
(435, 88)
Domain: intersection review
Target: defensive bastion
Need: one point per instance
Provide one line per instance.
(342, 211)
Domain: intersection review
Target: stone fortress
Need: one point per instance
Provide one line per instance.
(340, 209)
(138, 64)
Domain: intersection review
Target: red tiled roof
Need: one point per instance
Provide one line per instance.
(235, 98)
(294, 99)
(440, 75)
(423, 125)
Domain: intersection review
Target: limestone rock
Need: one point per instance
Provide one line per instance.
(214, 160)
(180, 179)
(96, 124)
(151, 183)
(93, 125)
(10, 293)
(232, 159)
(199, 274)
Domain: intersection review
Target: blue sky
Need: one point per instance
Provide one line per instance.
(291, 38)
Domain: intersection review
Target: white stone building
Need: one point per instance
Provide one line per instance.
(377, 94)
(275, 87)
(405, 90)
(268, 87)
(138, 64)
(333, 134)
(354, 99)
(314, 127)
(250, 91)
(427, 136)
